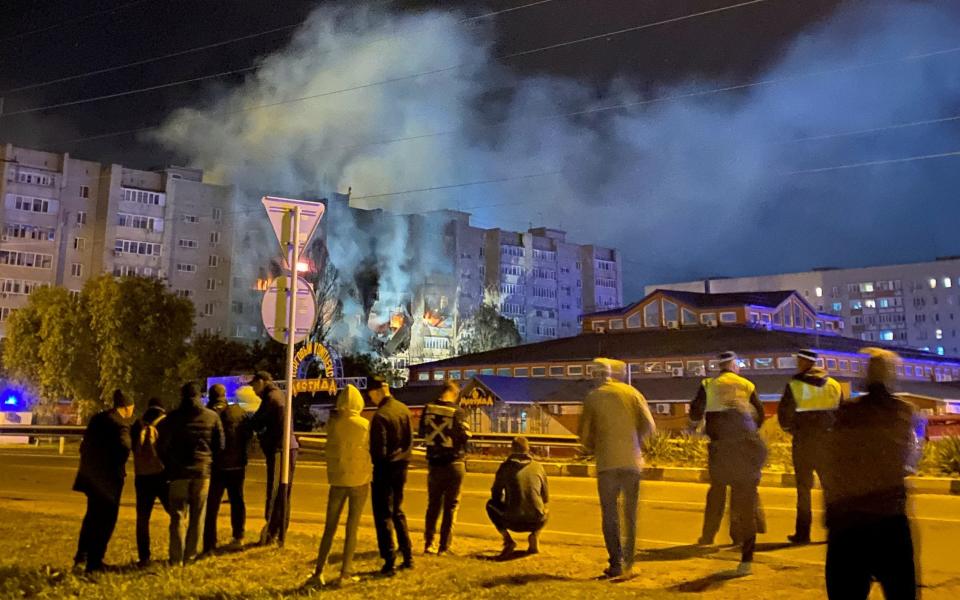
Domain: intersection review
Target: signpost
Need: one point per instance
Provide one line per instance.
(275, 309)
(294, 222)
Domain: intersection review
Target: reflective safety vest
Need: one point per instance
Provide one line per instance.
(728, 391)
(810, 397)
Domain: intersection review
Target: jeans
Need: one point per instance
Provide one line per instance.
(497, 513)
(96, 530)
(808, 456)
(443, 494)
(881, 550)
(150, 488)
(389, 479)
(188, 501)
(277, 510)
(338, 496)
(618, 487)
(230, 481)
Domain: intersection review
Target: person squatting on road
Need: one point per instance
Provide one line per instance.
(870, 450)
(268, 423)
(191, 438)
(615, 421)
(391, 438)
(806, 411)
(103, 458)
(518, 498)
(348, 473)
(736, 454)
(228, 470)
(150, 482)
(445, 431)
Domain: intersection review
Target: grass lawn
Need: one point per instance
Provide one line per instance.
(36, 550)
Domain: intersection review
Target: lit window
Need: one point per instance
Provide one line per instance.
(933, 283)
(504, 372)
(454, 374)
(884, 302)
(728, 317)
(819, 292)
(870, 303)
(556, 371)
(423, 376)
(519, 372)
(947, 282)
(439, 375)
(940, 350)
(886, 335)
(856, 305)
(837, 306)
(939, 334)
(575, 370)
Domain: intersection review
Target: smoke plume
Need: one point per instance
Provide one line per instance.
(685, 183)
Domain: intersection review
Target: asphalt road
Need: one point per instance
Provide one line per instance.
(670, 513)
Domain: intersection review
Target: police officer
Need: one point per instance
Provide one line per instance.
(807, 411)
(445, 432)
(733, 414)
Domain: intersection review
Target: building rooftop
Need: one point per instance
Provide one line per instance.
(701, 300)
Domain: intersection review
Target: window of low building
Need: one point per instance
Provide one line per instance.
(787, 362)
(728, 317)
(520, 372)
(688, 316)
(469, 373)
(504, 372)
(653, 367)
(633, 321)
(486, 371)
(556, 371)
(616, 323)
(439, 375)
(575, 370)
(670, 365)
(423, 376)
(454, 374)
(538, 371)
(651, 314)
(831, 363)
(763, 363)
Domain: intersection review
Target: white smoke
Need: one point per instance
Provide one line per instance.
(690, 186)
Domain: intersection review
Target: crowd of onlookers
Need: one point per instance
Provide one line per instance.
(860, 447)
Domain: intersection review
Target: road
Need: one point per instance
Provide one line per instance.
(670, 513)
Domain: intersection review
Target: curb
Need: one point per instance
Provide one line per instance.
(918, 485)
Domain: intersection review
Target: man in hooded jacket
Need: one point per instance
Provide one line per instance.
(807, 411)
(149, 481)
(191, 437)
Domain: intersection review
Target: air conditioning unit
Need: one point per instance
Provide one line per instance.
(712, 323)
(699, 371)
(673, 324)
(677, 372)
(600, 329)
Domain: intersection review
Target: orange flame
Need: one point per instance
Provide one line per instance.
(396, 321)
(433, 319)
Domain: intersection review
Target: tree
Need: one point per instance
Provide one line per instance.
(326, 288)
(486, 329)
(217, 355)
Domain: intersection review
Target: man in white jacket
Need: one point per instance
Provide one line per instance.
(348, 471)
(615, 421)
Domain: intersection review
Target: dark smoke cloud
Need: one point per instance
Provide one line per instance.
(701, 185)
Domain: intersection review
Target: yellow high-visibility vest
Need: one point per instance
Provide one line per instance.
(810, 397)
(728, 391)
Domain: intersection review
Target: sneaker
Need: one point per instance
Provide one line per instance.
(744, 569)
(315, 580)
(508, 548)
(611, 573)
(431, 548)
(389, 568)
(143, 563)
(533, 543)
(798, 540)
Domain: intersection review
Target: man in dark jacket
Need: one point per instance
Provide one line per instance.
(519, 498)
(806, 411)
(268, 423)
(731, 408)
(445, 431)
(191, 437)
(229, 469)
(103, 458)
(870, 451)
(149, 481)
(391, 436)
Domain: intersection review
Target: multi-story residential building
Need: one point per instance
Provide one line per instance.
(66, 220)
(916, 305)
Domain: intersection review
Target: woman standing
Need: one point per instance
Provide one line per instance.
(348, 473)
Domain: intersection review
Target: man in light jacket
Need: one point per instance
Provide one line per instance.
(615, 421)
(348, 473)
(518, 498)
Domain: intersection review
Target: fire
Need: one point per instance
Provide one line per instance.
(262, 285)
(432, 318)
(396, 321)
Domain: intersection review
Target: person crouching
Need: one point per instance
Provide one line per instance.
(519, 498)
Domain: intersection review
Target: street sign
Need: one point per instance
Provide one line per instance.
(280, 212)
(275, 309)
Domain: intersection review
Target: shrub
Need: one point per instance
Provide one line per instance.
(946, 454)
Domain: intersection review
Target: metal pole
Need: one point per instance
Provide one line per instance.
(62, 444)
(293, 253)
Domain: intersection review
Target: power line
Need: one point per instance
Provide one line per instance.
(73, 20)
(437, 70)
(854, 132)
(235, 40)
(872, 163)
(456, 185)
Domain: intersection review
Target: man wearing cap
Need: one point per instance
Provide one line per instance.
(268, 423)
(733, 414)
(391, 437)
(103, 458)
(807, 411)
(614, 423)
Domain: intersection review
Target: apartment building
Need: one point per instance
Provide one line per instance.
(915, 305)
(65, 220)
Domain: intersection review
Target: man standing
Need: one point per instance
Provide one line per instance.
(191, 437)
(268, 422)
(391, 437)
(806, 411)
(103, 458)
(445, 431)
(871, 448)
(150, 481)
(229, 468)
(518, 498)
(736, 453)
(615, 421)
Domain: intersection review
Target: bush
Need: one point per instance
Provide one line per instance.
(946, 455)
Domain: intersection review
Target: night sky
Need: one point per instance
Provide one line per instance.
(47, 40)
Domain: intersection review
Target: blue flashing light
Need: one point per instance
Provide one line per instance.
(13, 400)
(10, 401)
